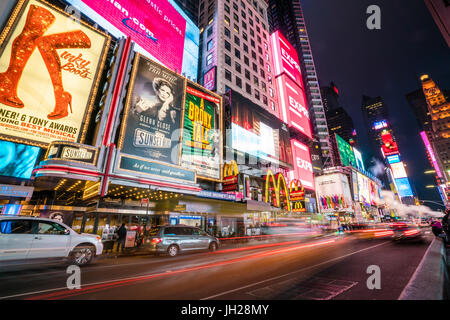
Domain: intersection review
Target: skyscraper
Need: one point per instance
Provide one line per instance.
(440, 10)
(287, 17)
(330, 96)
(341, 123)
(190, 7)
(418, 104)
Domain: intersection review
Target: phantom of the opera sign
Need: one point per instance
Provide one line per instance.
(153, 112)
(202, 142)
(50, 66)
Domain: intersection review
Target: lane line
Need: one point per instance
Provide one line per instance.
(291, 273)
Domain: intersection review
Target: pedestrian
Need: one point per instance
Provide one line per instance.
(445, 225)
(436, 228)
(121, 236)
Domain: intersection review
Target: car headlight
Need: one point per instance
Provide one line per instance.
(99, 239)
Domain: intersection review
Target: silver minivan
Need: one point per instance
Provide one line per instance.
(173, 239)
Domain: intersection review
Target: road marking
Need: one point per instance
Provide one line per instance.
(290, 273)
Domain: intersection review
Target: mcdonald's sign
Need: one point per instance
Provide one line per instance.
(278, 184)
(296, 191)
(297, 206)
(230, 176)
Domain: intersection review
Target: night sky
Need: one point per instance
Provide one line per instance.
(386, 63)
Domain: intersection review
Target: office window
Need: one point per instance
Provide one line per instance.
(253, 54)
(259, 39)
(245, 48)
(248, 88)
(255, 80)
(209, 46)
(265, 100)
(227, 75)
(247, 74)
(244, 35)
(263, 84)
(255, 67)
(257, 94)
(261, 62)
(238, 67)
(227, 8)
(272, 105)
(263, 74)
(209, 32)
(237, 41)
(244, 25)
(239, 82)
(235, 6)
(251, 22)
(227, 45)
(237, 53)
(236, 17)
(209, 59)
(252, 43)
(227, 60)
(246, 60)
(227, 20)
(243, 14)
(250, 12)
(260, 50)
(257, 19)
(227, 32)
(258, 29)
(236, 28)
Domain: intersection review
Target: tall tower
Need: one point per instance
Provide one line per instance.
(287, 17)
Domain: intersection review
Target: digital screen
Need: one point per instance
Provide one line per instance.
(393, 159)
(359, 160)
(431, 153)
(380, 125)
(345, 152)
(209, 79)
(160, 29)
(404, 188)
(303, 170)
(285, 58)
(17, 160)
(333, 193)
(293, 109)
(11, 209)
(389, 146)
(398, 170)
(364, 189)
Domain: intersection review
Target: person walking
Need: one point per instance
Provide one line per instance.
(436, 227)
(445, 226)
(122, 235)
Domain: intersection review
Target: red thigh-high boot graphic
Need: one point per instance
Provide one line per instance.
(37, 22)
(47, 46)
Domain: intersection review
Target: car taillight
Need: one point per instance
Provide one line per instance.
(99, 239)
(156, 240)
(410, 232)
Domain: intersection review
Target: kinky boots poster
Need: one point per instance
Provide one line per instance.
(152, 121)
(50, 64)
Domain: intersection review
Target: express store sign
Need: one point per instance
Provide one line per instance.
(293, 109)
(303, 170)
(285, 58)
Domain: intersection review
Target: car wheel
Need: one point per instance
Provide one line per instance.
(213, 246)
(82, 255)
(173, 250)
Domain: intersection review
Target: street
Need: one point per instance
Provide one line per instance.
(331, 267)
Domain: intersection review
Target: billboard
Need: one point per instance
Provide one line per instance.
(303, 170)
(364, 189)
(393, 159)
(380, 125)
(151, 126)
(404, 188)
(358, 159)
(398, 170)
(333, 193)
(285, 58)
(160, 29)
(431, 153)
(17, 160)
(389, 146)
(258, 133)
(50, 66)
(209, 79)
(293, 109)
(202, 134)
(345, 152)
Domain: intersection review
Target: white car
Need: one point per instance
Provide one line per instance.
(32, 239)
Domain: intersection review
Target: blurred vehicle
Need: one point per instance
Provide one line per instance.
(423, 223)
(34, 239)
(370, 231)
(406, 232)
(285, 228)
(174, 239)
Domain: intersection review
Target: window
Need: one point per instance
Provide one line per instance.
(250, 12)
(209, 59)
(238, 67)
(209, 46)
(272, 105)
(236, 17)
(227, 60)
(227, 45)
(246, 60)
(263, 84)
(16, 226)
(243, 14)
(257, 94)
(248, 88)
(258, 29)
(209, 32)
(259, 39)
(244, 25)
(255, 80)
(50, 228)
(271, 92)
(261, 62)
(227, 8)
(235, 6)
(244, 35)
(257, 19)
(237, 41)
(247, 74)
(227, 20)
(236, 28)
(253, 54)
(265, 101)
(263, 74)
(260, 50)
(245, 48)
(239, 82)
(255, 67)
(251, 22)
(227, 75)
(237, 53)
(252, 42)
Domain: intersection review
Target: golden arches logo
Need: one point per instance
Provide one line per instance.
(277, 180)
(296, 190)
(230, 169)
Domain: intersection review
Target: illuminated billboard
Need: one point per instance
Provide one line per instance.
(258, 133)
(50, 64)
(333, 193)
(364, 189)
(202, 135)
(380, 125)
(345, 152)
(160, 29)
(398, 170)
(17, 160)
(209, 79)
(404, 188)
(431, 153)
(389, 146)
(285, 58)
(359, 159)
(393, 159)
(303, 170)
(293, 109)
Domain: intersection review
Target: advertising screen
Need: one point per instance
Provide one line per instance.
(380, 124)
(160, 29)
(431, 153)
(152, 118)
(389, 145)
(17, 160)
(209, 79)
(359, 159)
(303, 170)
(202, 136)
(364, 189)
(345, 152)
(48, 83)
(333, 193)
(258, 133)
(285, 58)
(398, 170)
(293, 109)
(393, 159)
(355, 185)
(403, 187)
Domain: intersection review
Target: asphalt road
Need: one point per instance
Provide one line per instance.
(325, 268)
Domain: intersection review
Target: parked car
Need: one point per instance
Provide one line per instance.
(34, 239)
(406, 232)
(174, 239)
